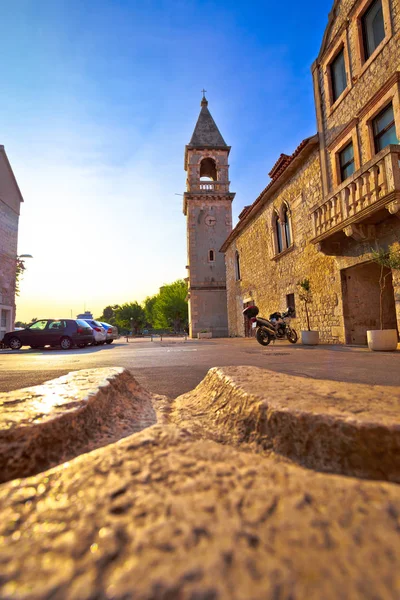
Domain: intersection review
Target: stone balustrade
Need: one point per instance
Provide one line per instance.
(371, 188)
(209, 186)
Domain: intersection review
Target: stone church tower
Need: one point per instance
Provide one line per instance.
(207, 205)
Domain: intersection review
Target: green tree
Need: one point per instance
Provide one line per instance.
(19, 272)
(130, 316)
(108, 315)
(171, 307)
(148, 306)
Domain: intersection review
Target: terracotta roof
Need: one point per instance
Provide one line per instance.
(245, 211)
(282, 160)
(250, 212)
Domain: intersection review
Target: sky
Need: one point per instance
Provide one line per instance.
(98, 99)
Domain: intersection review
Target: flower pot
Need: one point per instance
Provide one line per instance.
(205, 335)
(382, 340)
(310, 338)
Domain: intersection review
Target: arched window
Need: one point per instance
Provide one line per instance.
(208, 169)
(237, 266)
(277, 233)
(287, 226)
(211, 255)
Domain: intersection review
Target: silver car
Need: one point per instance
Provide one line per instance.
(99, 332)
(111, 332)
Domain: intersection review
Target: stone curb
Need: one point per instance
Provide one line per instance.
(352, 429)
(48, 424)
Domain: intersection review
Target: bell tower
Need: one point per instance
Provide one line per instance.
(207, 205)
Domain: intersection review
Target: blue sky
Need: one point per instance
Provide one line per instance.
(98, 101)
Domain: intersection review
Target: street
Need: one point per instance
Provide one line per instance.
(174, 366)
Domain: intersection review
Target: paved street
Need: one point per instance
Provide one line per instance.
(175, 366)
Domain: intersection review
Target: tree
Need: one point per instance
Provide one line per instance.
(306, 297)
(389, 261)
(171, 307)
(148, 306)
(20, 324)
(130, 316)
(19, 271)
(108, 315)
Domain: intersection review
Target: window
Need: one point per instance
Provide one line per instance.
(346, 162)
(57, 325)
(287, 226)
(290, 303)
(237, 266)
(338, 75)
(211, 255)
(373, 28)
(38, 326)
(384, 129)
(278, 234)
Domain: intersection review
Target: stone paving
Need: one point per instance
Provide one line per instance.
(207, 503)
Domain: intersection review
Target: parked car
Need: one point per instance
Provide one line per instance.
(51, 332)
(111, 332)
(99, 331)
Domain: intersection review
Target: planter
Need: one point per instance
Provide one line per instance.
(382, 340)
(204, 336)
(310, 338)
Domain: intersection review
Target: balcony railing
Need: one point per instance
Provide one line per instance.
(369, 189)
(209, 186)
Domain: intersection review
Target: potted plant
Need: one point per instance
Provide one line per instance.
(204, 334)
(309, 338)
(384, 340)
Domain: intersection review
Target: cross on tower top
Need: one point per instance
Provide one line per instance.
(204, 92)
(204, 99)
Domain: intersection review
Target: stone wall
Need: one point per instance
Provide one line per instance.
(267, 279)
(8, 253)
(365, 80)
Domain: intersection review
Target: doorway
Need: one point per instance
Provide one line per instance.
(360, 289)
(249, 330)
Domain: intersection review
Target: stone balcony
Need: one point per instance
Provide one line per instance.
(355, 204)
(208, 186)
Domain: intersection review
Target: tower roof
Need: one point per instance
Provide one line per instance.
(206, 134)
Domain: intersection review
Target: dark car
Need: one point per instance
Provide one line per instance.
(51, 332)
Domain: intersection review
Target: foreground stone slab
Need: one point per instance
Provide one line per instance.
(48, 424)
(162, 515)
(352, 429)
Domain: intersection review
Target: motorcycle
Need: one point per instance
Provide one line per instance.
(277, 327)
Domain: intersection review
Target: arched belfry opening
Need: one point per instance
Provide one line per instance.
(208, 169)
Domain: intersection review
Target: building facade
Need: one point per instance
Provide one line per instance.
(207, 205)
(337, 196)
(10, 200)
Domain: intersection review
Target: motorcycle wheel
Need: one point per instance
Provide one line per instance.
(292, 336)
(262, 336)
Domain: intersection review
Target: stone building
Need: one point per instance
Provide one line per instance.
(207, 205)
(10, 199)
(337, 196)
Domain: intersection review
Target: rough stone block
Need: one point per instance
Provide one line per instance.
(48, 424)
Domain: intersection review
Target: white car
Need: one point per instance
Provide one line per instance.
(111, 332)
(99, 333)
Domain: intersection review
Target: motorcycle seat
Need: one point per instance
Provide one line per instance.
(263, 321)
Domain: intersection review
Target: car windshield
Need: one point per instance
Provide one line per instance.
(82, 323)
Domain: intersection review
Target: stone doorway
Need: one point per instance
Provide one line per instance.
(249, 331)
(360, 288)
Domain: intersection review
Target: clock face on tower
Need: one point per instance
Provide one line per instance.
(210, 220)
